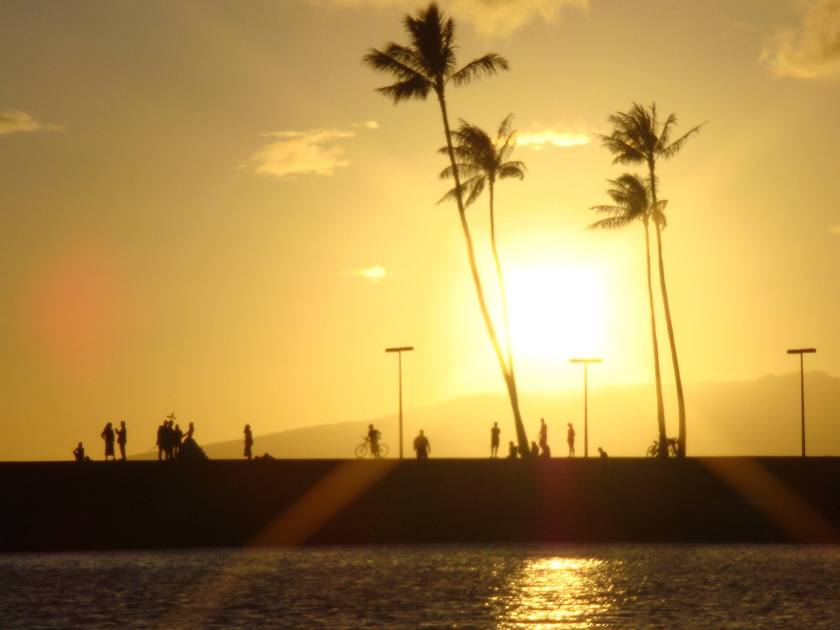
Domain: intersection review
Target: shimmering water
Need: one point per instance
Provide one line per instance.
(427, 586)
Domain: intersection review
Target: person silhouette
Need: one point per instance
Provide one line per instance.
(190, 431)
(545, 451)
(249, 441)
(494, 440)
(161, 440)
(543, 437)
(373, 436)
(122, 439)
(570, 438)
(108, 435)
(535, 450)
(512, 450)
(422, 446)
(79, 453)
(602, 453)
(177, 438)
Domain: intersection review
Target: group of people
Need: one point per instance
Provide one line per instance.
(539, 448)
(170, 438)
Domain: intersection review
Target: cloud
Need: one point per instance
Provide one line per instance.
(367, 124)
(550, 137)
(810, 50)
(375, 274)
(313, 152)
(12, 121)
(489, 17)
(835, 229)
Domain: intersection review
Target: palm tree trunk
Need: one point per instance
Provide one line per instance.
(660, 407)
(507, 374)
(668, 323)
(501, 278)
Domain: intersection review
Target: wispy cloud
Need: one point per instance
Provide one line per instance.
(374, 274)
(551, 137)
(313, 152)
(835, 229)
(489, 17)
(810, 50)
(12, 121)
(367, 124)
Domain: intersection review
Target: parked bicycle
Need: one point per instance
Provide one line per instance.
(673, 448)
(365, 448)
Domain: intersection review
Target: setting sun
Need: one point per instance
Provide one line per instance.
(556, 311)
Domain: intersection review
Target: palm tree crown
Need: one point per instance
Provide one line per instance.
(482, 160)
(638, 136)
(631, 197)
(429, 62)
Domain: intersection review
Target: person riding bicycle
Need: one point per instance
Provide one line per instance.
(373, 436)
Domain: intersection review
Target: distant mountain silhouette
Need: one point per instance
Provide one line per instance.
(758, 417)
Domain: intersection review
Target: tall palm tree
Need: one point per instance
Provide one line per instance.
(483, 160)
(639, 137)
(631, 197)
(428, 65)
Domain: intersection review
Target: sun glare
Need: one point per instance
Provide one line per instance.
(556, 312)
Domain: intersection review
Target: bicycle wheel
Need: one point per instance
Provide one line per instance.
(653, 450)
(361, 451)
(383, 451)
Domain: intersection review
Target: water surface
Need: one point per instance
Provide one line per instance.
(512, 586)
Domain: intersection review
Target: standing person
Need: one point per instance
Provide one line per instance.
(122, 438)
(422, 446)
(543, 437)
(249, 441)
(177, 436)
(108, 435)
(161, 440)
(495, 432)
(79, 453)
(373, 436)
(190, 431)
(570, 438)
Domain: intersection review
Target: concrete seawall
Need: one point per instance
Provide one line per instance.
(141, 505)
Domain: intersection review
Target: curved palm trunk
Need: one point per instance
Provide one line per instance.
(507, 374)
(501, 278)
(668, 323)
(660, 406)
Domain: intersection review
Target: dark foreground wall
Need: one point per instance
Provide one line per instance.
(55, 506)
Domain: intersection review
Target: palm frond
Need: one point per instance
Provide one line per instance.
(487, 65)
(611, 223)
(512, 169)
(416, 87)
(672, 149)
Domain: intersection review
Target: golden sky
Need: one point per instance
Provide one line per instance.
(205, 208)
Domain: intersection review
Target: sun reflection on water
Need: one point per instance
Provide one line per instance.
(549, 592)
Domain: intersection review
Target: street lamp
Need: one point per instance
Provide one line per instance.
(399, 352)
(801, 352)
(586, 362)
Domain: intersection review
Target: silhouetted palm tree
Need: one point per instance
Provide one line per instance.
(632, 203)
(483, 160)
(428, 65)
(638, 137)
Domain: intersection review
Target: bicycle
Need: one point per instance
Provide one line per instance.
(673, 448)
(363, 449)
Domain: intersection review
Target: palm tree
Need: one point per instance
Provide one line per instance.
(428, 65)
(638, 137)
(632, 203)
(483, 160)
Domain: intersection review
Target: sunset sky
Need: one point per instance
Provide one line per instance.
(205, 208)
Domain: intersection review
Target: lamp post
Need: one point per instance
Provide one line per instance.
(586, 362)
(802, 352)
(399, 352)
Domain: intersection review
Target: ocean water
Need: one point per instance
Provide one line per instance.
(506, 586)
